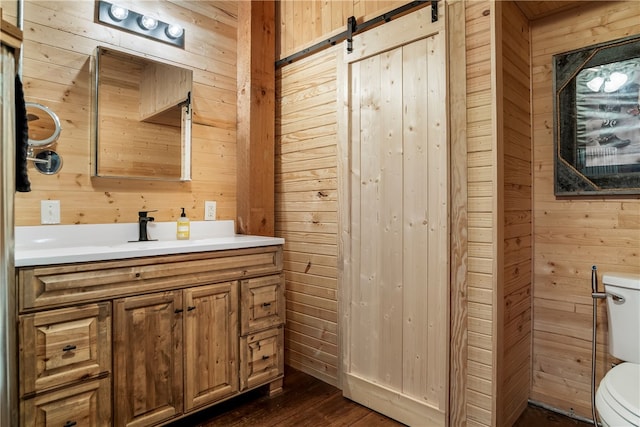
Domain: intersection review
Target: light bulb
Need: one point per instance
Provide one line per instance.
(595, 83)
(174, 31)
(615, 81)
(118, 13)
(148, 23)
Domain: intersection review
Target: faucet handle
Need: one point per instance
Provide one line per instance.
(143, 214)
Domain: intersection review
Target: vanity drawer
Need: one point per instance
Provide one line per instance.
(42, 287)
(62, 346)
(87, 404)
(263, 304)
(261, 357)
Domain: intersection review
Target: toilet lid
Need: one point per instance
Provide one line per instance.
(623, 384)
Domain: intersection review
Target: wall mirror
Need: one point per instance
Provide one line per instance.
(44, 125)
(44, 131)
(142, 118)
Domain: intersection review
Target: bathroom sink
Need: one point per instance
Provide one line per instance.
(48, 245)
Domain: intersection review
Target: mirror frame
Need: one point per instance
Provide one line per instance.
(186, 109)
(573, 176)
(56, 121)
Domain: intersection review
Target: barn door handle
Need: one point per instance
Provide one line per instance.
(68, 347)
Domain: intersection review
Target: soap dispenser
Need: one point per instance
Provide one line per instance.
(183, 227)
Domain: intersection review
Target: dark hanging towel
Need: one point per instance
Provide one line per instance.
(22, 140)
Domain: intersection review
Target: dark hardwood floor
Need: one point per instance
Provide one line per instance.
(307, 401)
(535, 416)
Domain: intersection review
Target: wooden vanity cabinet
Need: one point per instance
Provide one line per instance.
(84, 404)
(210, 344)
(262, 358)
(262, 331)
(64, 363)
(60, 347)
(160, 337)
(147, 355)
(263, 304)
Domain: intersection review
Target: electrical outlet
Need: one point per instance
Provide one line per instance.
(209, 211)
(50, 211)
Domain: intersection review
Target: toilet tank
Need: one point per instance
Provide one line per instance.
(623, 312)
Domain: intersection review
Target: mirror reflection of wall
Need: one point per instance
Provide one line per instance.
(142, 118)
(607, 100)
(43, 130)
(44, 125)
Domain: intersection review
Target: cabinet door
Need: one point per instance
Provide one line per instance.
(62, 346)
(87, 404)
(261, 357)
(147, 358)
(263, 303)
(211, 343)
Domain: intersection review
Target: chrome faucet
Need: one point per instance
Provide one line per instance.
(143, 220)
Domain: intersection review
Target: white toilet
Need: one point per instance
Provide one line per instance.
(618, 395)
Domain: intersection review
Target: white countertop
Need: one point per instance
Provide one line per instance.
(62, 244)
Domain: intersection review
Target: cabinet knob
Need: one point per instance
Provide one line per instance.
(69, 347)
(70, 424)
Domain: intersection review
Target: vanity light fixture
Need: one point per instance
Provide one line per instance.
(174, 31)
(142, 24)
(148, 23)
(118, 13)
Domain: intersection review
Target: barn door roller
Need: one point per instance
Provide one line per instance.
(434, 10)
(353, 27)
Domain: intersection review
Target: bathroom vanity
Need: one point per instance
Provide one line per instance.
(144, 339)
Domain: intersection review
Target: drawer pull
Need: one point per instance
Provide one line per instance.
(265, 357)
(68, 347)
(191, 307)
(178, 310)
(70, 424)
(266, 304)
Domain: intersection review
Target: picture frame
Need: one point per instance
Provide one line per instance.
(597, 119)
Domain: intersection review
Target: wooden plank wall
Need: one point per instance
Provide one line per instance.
(571, 235)
(482, 185)
(516, 260)
(307, 211)
(306, 22)
(457, 92)
(256, 118)
(306, 177)
(10, 12)
(60, 36)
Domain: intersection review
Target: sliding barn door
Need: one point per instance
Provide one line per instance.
(395, 225)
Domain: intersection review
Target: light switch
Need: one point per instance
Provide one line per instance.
(50, 211)
(209, 211)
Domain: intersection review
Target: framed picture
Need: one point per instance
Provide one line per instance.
(597, 119)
